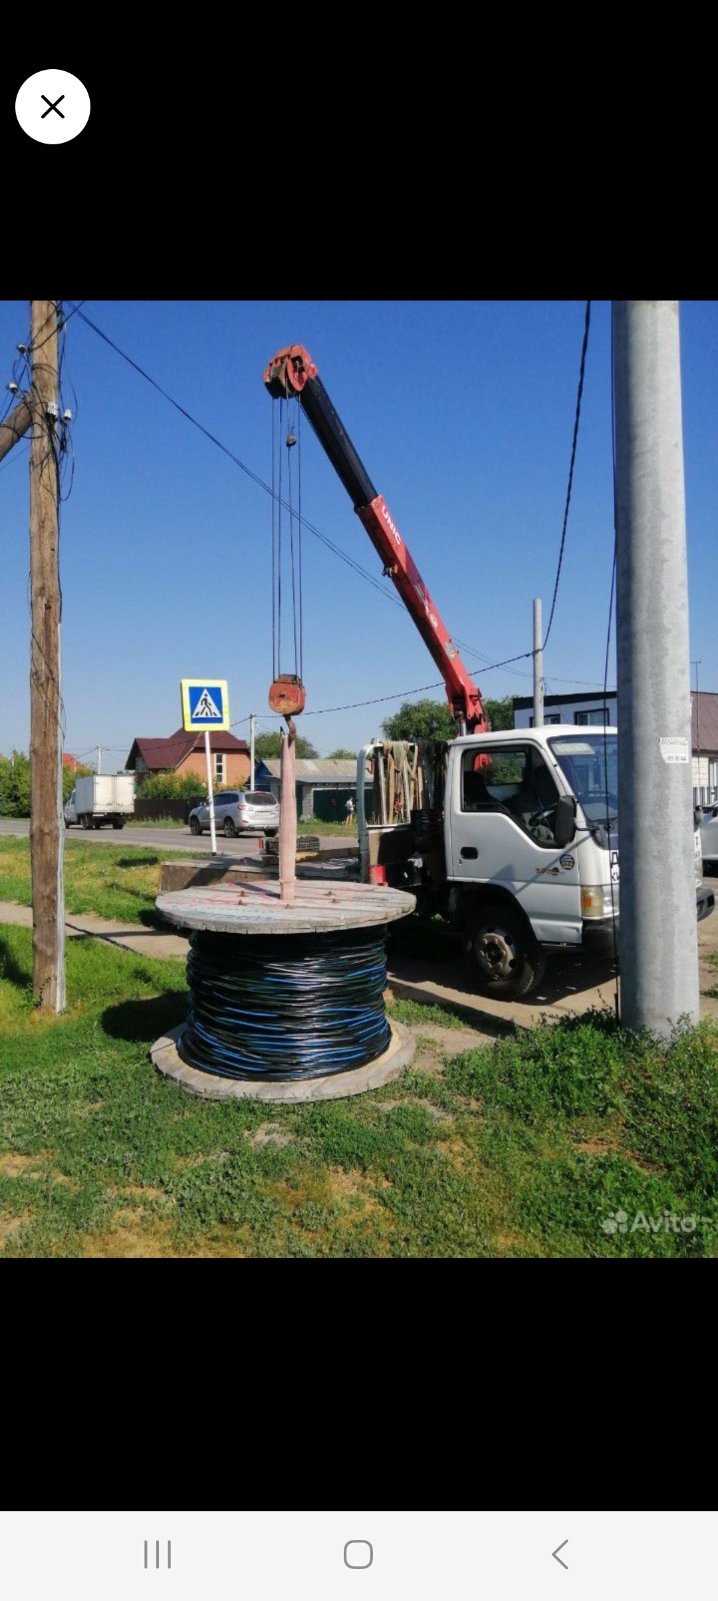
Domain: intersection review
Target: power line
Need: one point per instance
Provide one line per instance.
(255, 477)
(280, 501)
(486, 665)
(577, 417)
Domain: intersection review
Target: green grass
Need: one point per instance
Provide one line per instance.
(523, 1148)
(442, 1012)
(156, 822)
(318, 825)
(119, 881)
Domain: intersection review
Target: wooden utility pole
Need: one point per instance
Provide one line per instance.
(46, 821)
(15, 425)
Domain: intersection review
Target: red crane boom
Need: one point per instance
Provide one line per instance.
(292, 372)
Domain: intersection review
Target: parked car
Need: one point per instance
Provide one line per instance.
(709, 841)
(238, 812)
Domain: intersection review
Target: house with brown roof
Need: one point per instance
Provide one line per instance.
(184, 755)
(704, 739)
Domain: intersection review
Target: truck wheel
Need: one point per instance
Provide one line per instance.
(86, 821)
(119, 824)
(509, 961)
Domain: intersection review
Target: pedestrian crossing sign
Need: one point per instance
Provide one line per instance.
(205, 703)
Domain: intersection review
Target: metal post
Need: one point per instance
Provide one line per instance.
(658, 931)
(210, 793)
(538, 666)
(251, 749)
(99, 758)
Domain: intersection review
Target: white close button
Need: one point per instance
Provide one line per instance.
(358, 1554)
(52, 106)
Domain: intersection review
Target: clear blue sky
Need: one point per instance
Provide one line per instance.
(462, 412)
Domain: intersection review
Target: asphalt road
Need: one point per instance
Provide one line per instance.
(168, 839)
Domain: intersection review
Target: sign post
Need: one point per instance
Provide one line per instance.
(205, 705)
(210, 794)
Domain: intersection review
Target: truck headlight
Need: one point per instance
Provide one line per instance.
(596, 900)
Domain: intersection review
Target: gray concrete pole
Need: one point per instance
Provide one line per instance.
(658, 932)
(538, 666)
(251, 749)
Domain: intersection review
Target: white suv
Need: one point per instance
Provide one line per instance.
(238, 812)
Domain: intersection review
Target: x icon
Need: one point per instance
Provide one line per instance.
(52, 107)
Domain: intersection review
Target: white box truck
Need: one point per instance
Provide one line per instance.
(101, 798)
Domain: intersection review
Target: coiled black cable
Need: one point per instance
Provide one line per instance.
(289, 1006)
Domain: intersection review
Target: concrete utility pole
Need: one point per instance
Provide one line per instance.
(252, 717)
(47, 830)
(538, 666)
(99, 759)
(658, 931)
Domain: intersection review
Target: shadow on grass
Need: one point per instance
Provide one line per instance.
(138, 860)
(145, 1020)
(151, 918)
(10, 968)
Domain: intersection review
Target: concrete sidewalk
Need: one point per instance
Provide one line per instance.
(130, 936)
(568, 988)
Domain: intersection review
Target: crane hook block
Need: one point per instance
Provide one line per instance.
(287, 695)
(288, 372)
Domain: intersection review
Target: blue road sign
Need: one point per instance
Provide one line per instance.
(205, 703)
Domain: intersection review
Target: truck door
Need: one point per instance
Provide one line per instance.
(502, 832)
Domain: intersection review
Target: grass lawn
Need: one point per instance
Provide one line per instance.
(107, 879)
(156, 822)
(318, 825)
(549, 1144)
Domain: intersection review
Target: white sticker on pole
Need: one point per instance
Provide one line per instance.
(674, 749)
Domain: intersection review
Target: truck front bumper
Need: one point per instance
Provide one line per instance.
(706, 901)
(597, 936)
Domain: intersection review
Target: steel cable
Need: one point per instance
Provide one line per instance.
(286, 1006)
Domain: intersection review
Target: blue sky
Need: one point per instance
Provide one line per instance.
(462, 412)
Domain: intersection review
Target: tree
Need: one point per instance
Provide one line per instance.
(420, 719)
(270, 745)
(500, 712)
(341, 756)
(15, 784)
(432, 719)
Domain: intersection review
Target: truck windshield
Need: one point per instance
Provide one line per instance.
(589, 761)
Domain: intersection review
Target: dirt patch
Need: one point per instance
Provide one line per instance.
(434, 1111)
(601, 1145)
(14, 1166)
(270, 1134)
(457, 1153)
(130, 1238)
(10, 1226)
(512, 1242)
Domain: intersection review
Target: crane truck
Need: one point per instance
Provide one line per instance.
(511, 835)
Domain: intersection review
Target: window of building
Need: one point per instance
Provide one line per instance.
(598, 717)
(219, 767)
(551, 717)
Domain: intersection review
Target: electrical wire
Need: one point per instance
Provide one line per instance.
(576, 420)
(285, 1007)
(349, 561)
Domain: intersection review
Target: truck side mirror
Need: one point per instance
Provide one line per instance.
(565, 825)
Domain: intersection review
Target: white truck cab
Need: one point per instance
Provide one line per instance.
(530, 842)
